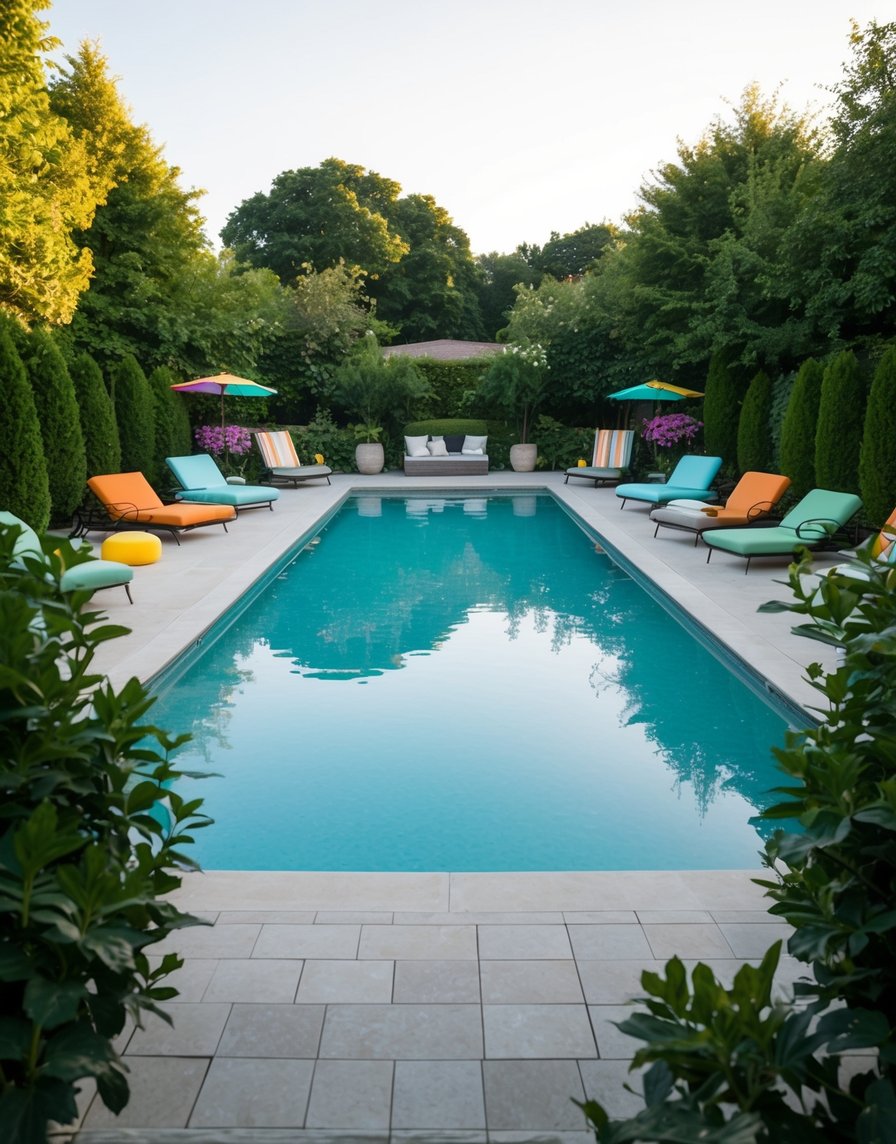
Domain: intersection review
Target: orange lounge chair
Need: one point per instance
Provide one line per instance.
(131, 502)
(753, 497)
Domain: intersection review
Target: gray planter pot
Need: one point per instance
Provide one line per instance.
(523, 457)
(369, 457)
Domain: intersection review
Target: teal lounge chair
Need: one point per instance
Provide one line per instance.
(87, 577)
(809, 524)
(203, 482)
(690, 480)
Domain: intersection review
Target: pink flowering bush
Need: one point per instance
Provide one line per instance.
(226, 443)
(672, 432)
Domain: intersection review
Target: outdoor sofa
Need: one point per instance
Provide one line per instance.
(445, 455)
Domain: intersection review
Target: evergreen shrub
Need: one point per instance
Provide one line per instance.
(754, 443)
(721, 409)
(782, 387)
(60, 423)
(135, 414)
(172, 436)
(451, 382)
(797, 449)
(877, 457)
(24, 484)
(841, 420)
(98, 425)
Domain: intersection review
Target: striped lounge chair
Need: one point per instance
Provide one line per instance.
(282, 462)
(612, 456)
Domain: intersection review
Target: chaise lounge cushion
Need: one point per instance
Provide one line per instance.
(690, 480)
(129, 497)
(203, 483)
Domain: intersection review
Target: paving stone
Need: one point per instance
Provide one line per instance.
(251, 979)
(537, 1031)
(611, 1044)
(433, 1094)
(412, 1032)
(532, 1096)
(752, 939)
(280, 1031)
(192, 979)
(253, 1094)
(605, 1080)
(522, 942)
(307, 941)
(431, 982)
(614, 982)
(163, 1091)
(428, 943)
(344, 982)
(196, 1031)
(530, 982)
(350, 1094)
(695, 940)
(210, 941)
(610, 942)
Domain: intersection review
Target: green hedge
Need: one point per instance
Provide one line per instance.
(440, 427)
(877, 459)
(451, 383)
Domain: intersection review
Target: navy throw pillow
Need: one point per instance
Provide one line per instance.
(454, 442)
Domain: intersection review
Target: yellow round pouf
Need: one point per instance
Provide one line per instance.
(132, 548)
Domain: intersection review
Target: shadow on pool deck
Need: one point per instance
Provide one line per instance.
(429, 1007)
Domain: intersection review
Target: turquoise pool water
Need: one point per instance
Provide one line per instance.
(467, 683)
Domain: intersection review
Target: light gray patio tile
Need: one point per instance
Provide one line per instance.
(253, 1094)
(532, 1096)
(210, 941)
(494, 918)
(413, 1032)
(605, 1081)
(433, 1094)
(759, 917)
(600, 917)
(696, 940)
(725, 890)
(614, 982)
(537, 1031)
(307, 941)
(280, 1031)
(530, 982)
(346, 982)
(248, 979)
(569, 1137)
(196, 1031)
(611, 1044)
(191, 979)
(424, 1136)
(522, 942)
(431, 982)
(353, 918)
(429, 943)
(752, 939)
(609, 942)
(673, 917)
(163, 1090)
(267, 917)
(350, 1094)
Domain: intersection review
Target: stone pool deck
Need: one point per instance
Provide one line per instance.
(467, 1008)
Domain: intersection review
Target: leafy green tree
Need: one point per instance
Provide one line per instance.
(135, 414)
(877, 457)
(93, 837)
(98, 425)
(841, 416)
(46, 187)
(24, 484)
(754, 442)
(498, 275)
(318, 216)
(840, 254)
(432, 291)
(382, 393)
(172, 423)
(60, 423)
(721, 408)
(516, 383)
(799, 428)
(570, 255)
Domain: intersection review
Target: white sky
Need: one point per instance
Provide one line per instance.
(519, 116)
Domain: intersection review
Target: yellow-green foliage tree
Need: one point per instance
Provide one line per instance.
(46, 188)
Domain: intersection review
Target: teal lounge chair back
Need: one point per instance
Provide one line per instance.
(693, 472)
(196, 472)
(26, 543)
(89, 576)
(820, 513)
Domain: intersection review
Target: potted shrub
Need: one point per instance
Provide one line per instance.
(516, 384)
(377, 391)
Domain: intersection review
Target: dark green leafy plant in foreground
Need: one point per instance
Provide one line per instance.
(90, 840)
(734, 1065)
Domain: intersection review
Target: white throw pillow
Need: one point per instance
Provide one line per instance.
(438, 448)
(416, 446)
(475, 445)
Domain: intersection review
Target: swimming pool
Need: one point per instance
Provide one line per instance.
(447, 682)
